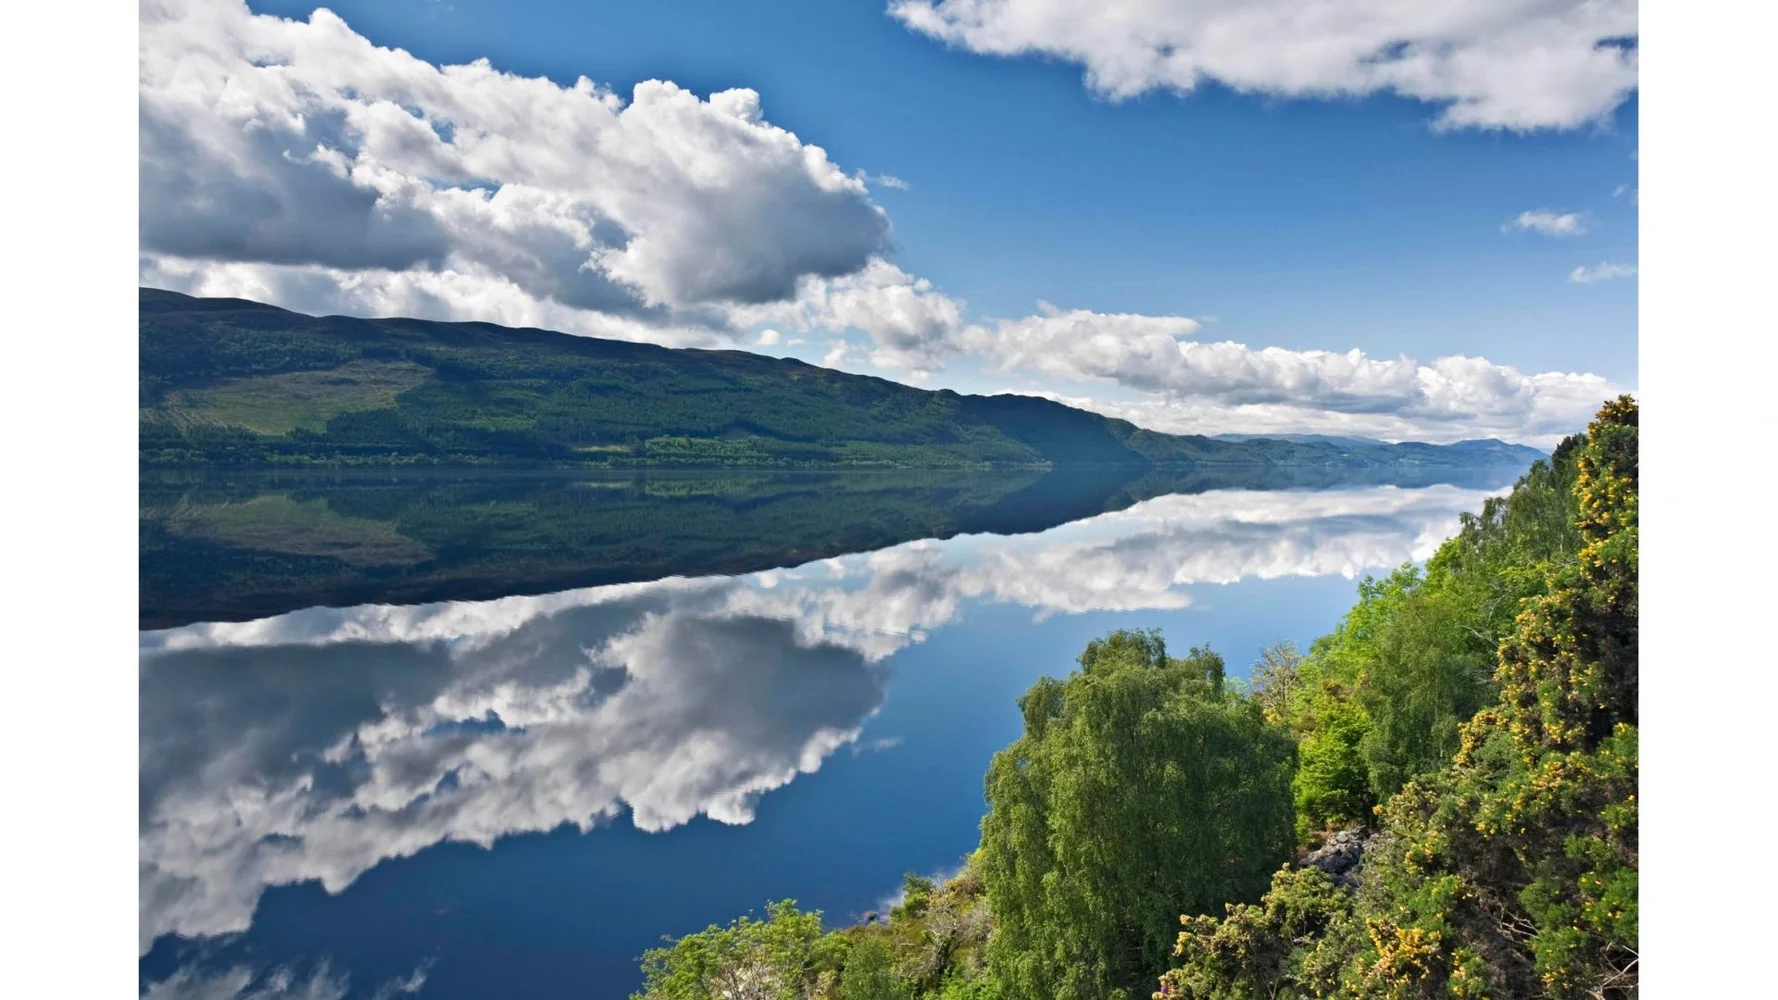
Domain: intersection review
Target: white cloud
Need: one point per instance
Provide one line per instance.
(768, 338)
(446, 295)
(1202, 388)
(1584, 275)
(912, 325)
(291, 144)
(1548, 223)
(1513, 64)
(883, 180)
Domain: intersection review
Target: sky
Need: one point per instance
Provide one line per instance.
(1360, 217)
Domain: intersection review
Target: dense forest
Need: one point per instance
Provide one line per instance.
(1465, 740)
(237, 383)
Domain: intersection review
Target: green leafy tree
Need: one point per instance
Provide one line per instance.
(870, 973)
(1275, 679)
(783, 957)
(1140, 786)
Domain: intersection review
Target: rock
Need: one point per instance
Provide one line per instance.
(1341, 857)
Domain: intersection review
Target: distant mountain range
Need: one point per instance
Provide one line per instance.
(233, 382)
(1489, 445)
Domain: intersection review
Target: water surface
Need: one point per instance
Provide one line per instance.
(776, 686)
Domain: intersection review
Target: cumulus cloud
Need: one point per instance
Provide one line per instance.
(1548, 223)
(1584, 275)
(1512, 64)
(317, 744)
(304, 153)
(912, 325)
(1203, 387)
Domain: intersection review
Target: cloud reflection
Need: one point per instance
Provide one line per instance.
(317, 744)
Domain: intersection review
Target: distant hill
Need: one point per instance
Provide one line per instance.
(233, 382)
(1485, 445)
(1333, 439)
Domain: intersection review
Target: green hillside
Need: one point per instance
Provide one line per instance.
(232, 382)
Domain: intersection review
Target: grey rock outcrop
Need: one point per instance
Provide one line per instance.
(1342, 857)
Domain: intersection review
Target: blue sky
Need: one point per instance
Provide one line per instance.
(1306, 224)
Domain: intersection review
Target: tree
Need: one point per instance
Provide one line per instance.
(783, 957)
(1275, 679)
(1140, 786)
(870, 973)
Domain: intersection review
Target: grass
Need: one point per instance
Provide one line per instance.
(279, 404)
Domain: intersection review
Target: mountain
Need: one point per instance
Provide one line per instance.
(234, 382)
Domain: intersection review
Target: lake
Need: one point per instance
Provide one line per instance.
(471, 736)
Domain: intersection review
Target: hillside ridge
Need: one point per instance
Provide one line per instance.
(242, 383)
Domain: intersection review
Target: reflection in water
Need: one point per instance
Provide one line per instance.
(316, 744)
(235, 546)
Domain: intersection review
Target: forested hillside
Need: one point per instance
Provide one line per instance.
(232, 382)
(1472, 726)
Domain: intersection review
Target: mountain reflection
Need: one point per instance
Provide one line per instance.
(316, 744)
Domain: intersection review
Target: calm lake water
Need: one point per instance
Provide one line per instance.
(473, 737)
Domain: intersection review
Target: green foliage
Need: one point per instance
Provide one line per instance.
(1512, 871)
(783, 957)
(1140, 786)
(1382, 698)
(230, 382)
(1332, 780)
(1293, 944)
(930, 949)
(870, 972)
(1275, 679)
(916, 895)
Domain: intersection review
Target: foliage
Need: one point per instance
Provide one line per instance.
(1511, 872)
(1294, 943)
(1275, 679)
(231, 382)
(783, 957)
(1382, 698)
(1140, 786)
(870, 972)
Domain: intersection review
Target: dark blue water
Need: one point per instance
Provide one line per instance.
(517, 797)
